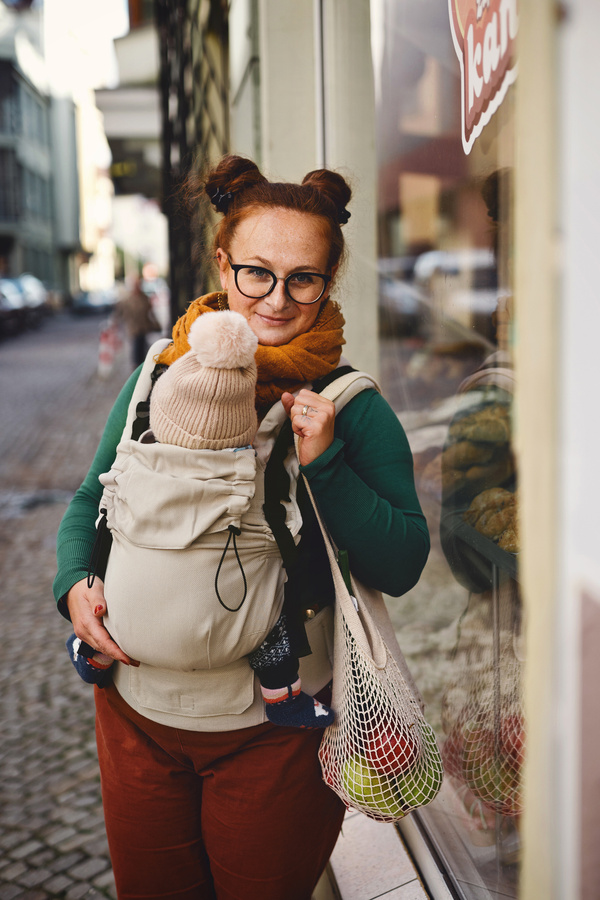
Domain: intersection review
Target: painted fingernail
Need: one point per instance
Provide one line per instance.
(97, 610)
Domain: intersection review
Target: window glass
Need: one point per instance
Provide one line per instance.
(10, 180)
(445, 135)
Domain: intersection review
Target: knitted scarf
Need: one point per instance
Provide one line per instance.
(307, 356)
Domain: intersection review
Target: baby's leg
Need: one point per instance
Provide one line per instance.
(93, 667)
(277, 668)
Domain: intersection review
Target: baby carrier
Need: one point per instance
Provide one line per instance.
(181, 612)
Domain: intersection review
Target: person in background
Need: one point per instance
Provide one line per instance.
(136, 313)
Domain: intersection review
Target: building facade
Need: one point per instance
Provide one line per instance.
(39, 193)
(466, 131)
(26, 176)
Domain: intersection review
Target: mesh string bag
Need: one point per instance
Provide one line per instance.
(482, 708)
(380, 755)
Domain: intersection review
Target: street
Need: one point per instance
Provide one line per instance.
(53, 407)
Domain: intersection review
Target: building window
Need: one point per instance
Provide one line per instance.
(6, 99)
(10, 181)
(445, 231)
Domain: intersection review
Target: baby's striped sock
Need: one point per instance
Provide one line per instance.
(290, 706)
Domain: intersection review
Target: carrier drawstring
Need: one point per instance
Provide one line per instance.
(233, 532)
(97, 548)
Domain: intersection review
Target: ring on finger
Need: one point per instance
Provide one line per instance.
(305, 410)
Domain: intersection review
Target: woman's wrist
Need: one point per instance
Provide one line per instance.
(311, 469)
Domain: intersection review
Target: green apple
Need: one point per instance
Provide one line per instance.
(419, 785)
(494, 781)
(366, 787)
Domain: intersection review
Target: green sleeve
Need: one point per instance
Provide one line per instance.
(77, 529)
(365, 490)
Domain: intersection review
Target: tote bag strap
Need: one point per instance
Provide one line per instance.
(359, 620)
(373, 608)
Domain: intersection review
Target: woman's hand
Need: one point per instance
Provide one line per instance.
(86, 608)
(313, 419)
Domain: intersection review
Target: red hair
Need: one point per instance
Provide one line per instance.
(236, 188)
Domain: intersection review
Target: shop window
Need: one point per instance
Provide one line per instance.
(445, 138)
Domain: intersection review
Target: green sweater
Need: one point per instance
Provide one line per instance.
(363, 483)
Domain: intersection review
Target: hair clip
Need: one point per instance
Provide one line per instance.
(343, 216)
(220, 200)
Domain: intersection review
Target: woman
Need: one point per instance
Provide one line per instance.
(225, 804)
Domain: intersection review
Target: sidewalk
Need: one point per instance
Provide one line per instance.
(52, 408)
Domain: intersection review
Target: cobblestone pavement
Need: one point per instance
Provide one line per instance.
(53, 407)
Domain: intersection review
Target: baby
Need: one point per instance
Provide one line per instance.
(205, 402)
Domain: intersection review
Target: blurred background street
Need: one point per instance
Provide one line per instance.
(53, 407)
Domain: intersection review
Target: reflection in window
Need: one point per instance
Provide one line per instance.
(446, 338)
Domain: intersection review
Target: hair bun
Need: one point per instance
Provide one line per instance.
(231, 176)
(334, 187)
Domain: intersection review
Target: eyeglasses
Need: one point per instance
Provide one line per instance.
(257, 282)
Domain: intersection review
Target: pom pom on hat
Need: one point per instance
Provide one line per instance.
(205, 400)
(223, 341)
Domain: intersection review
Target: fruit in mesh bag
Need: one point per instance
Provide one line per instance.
(478, 747)
(391, 749)
(489, 773)
(512, 739)
(366, 787)
(452, 752)
(421, 783)
(494, 781)
(418, 786)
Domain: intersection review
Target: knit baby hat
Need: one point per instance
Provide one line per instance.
(205, 399)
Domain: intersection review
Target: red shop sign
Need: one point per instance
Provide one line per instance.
(484, 34)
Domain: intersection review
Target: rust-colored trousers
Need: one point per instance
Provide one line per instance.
(238, 815)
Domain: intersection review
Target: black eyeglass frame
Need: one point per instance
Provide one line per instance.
(237, 266)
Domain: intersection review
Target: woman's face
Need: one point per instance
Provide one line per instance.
(283, 241)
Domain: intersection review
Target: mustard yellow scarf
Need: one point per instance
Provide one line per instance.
(287, 368)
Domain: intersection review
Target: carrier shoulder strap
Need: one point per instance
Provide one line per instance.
(138, 414)
(277, 479)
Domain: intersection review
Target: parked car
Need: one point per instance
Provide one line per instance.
(94, 302)
(470, 274)
(461, 286)
(13, 309)
(401, 303)
(36, 297)
(453, 262)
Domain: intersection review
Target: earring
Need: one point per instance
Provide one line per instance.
(222, 301)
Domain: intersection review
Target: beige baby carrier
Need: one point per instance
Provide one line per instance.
(194, 580)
